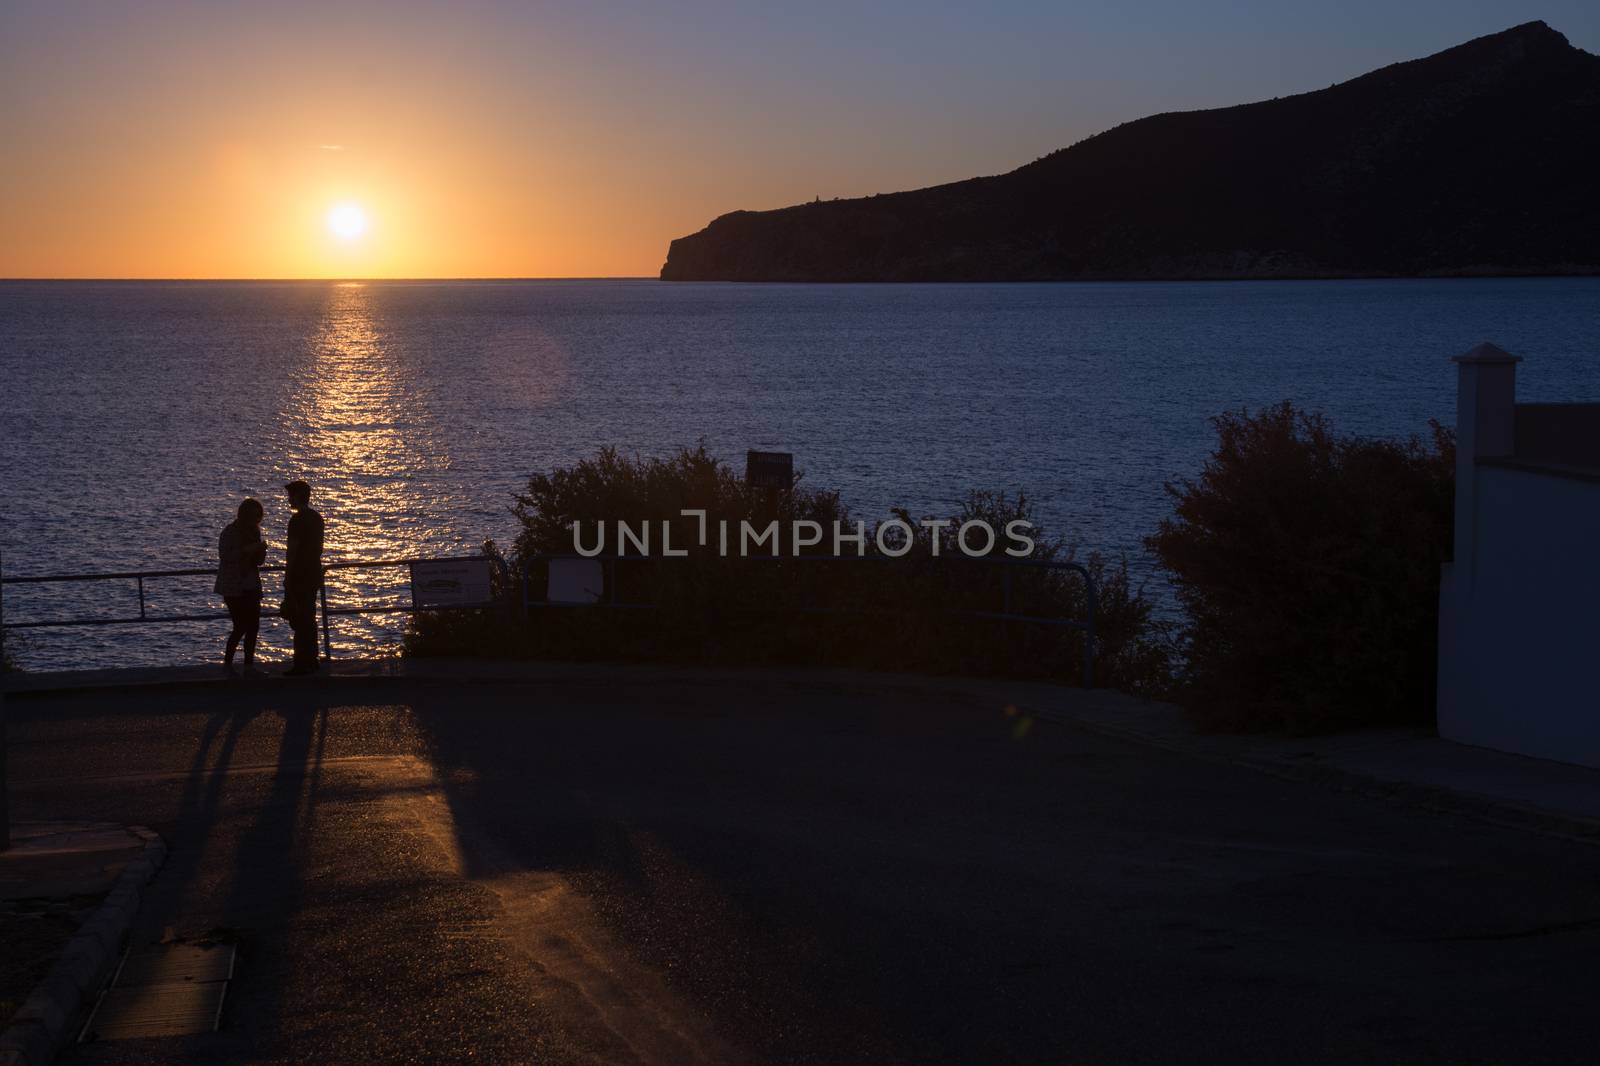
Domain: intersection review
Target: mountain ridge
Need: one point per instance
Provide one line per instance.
(1471, 161)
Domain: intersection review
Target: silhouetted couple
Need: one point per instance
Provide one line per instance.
(242, 551)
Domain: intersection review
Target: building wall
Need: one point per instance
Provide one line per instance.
(1519, 638)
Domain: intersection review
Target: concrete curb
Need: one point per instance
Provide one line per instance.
(39, 1029)
(1436, 798)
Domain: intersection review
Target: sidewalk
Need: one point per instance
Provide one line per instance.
(68, 893)
(1410, 765)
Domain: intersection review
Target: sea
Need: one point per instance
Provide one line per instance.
(135, 415)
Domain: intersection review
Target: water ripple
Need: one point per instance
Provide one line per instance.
(136, 415)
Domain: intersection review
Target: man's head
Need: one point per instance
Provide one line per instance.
(299, 494)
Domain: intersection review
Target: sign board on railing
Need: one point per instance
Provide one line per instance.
(450, 583)
(575, 581)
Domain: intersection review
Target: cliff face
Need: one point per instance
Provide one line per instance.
(1478, 160)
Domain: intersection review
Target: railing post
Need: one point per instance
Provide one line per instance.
(1006, 605)
(327, 637)
(141, 598)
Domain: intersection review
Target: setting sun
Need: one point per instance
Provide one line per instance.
(347, 221)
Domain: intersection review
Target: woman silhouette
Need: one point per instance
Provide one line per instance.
(240, 551)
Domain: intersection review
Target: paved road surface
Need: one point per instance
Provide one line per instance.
(753, 871)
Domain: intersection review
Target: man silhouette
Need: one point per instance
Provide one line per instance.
(302, 578)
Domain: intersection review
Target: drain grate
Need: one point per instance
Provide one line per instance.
(165, 990)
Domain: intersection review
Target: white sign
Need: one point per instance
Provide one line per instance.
(575, 581)
(450, 583)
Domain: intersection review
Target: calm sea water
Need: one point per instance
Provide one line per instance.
(136, 415)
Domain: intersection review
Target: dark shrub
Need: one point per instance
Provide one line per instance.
(910, 613)
(1308, 564)
(611, 487)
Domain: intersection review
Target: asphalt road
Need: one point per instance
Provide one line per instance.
(750, 871)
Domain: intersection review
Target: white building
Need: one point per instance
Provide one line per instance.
(1519, 608)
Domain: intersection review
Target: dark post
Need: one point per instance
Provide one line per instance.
(1088, 632)
(774, 472)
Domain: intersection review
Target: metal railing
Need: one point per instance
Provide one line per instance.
(1008, 567)
(608, 598)
(144, 617)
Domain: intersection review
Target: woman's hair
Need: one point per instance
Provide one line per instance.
(251, 510)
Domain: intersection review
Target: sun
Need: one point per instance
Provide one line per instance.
(347, 221)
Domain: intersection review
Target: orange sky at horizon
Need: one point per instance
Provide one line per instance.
(189, 139)
(142, 172)
(212, 142)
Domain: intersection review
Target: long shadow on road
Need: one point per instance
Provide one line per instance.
(772, 871)
(300, 823)
(234, 827)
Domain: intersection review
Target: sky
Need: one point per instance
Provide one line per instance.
(213, 140)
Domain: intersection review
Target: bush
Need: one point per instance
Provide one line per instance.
(612, 487)
(910, 613)
(1308, 565)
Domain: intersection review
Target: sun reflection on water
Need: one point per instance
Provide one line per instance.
(359, 428)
